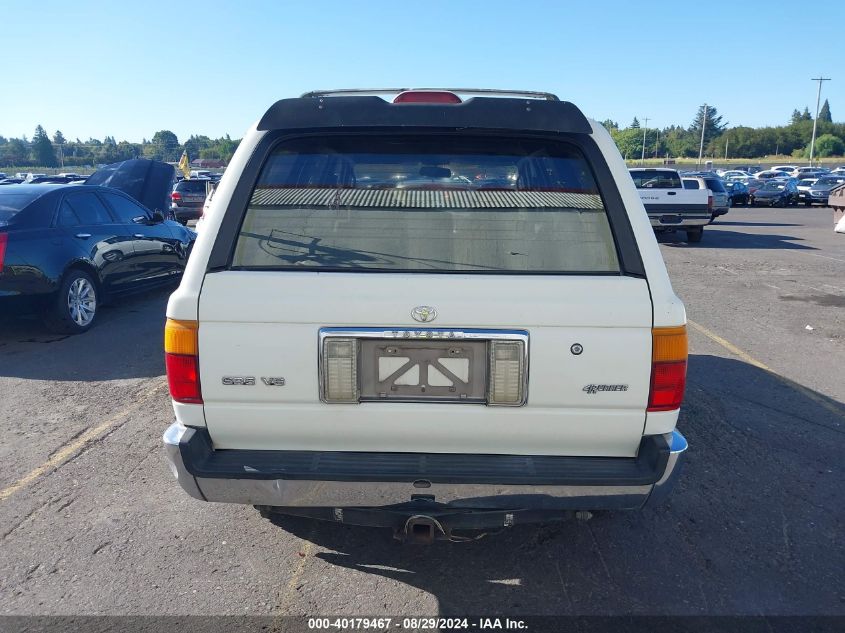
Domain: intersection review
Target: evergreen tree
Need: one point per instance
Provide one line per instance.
(713, 127)
(59, 138)
(795, 118)
(42, 149)
(805, 115)
(635, 124)
(824, 113)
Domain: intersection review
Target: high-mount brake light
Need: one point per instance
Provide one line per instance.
(668, 368)
(4, 237)
(181, 359)
(427, 96)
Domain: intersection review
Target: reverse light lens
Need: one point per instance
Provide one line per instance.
(507, 373)
(340, 370)
(668, 368)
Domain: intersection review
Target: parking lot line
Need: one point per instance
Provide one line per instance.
(290, 588)
(61, 455)
(733, 349)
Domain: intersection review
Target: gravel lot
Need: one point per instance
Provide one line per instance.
(91, 521)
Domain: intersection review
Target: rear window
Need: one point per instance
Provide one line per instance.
(714, 184)
(12, 203)
(426, 204)
(690, 184)
(652, 179)
(191, 186)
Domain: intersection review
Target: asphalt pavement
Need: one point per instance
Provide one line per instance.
(92, 522)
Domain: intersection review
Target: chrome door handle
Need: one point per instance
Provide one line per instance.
(83, 236)
(138, 235)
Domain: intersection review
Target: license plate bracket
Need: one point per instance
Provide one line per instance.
(423, 370)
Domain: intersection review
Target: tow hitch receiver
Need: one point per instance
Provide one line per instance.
(421, 530)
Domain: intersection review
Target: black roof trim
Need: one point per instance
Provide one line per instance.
(531, 115)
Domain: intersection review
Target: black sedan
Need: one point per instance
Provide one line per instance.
(738, 193)
(776, 193)
(65, 249)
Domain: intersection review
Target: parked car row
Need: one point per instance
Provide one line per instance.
(782, 185)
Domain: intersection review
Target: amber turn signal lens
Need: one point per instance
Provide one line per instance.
(180, 337)
(669, 344)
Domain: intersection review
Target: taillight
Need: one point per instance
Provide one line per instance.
(4, 237)
(709, 202)
(181, 360)
(176, 196)
(668, 368)
(427, 96)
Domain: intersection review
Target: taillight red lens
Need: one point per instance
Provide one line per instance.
(427, 96)
(709, 202)
(175, 196)
(4, 237)
(183, 377)
(668, 381)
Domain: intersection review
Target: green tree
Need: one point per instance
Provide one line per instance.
(42, 149)
(15, 152)
(166, 146)
(635, 124)
(795, 118)
(610, 124)
(713, 127)
(629, 142)
(805, 115)
(827, 145)
(824, 113)
(59, 138)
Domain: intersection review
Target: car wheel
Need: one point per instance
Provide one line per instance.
(694, 235)
(74, 309)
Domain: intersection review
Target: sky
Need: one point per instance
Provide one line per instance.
(93, 68)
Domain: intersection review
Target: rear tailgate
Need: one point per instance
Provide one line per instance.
(266, 325)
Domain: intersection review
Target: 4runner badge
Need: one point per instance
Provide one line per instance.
(597, 388)
(424, 314)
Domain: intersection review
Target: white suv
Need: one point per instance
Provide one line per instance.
(438, 312)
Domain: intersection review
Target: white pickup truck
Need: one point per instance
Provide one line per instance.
(669, 205)
(436, 312)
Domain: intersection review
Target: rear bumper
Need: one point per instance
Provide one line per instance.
(300, 479)
(671, 220)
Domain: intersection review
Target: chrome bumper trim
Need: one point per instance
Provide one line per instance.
(346, 494)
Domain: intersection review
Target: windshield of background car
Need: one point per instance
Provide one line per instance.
(829, 182)
(427, 204)
(646, 179)
(774, 186)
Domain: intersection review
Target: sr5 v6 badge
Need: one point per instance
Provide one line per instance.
(249, 381)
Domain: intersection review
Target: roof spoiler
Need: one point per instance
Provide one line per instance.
(498, 113)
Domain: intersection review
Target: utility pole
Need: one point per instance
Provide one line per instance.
(657, 142)
(703, 127)
(645, 129)
(816, 119)
(726, 147)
